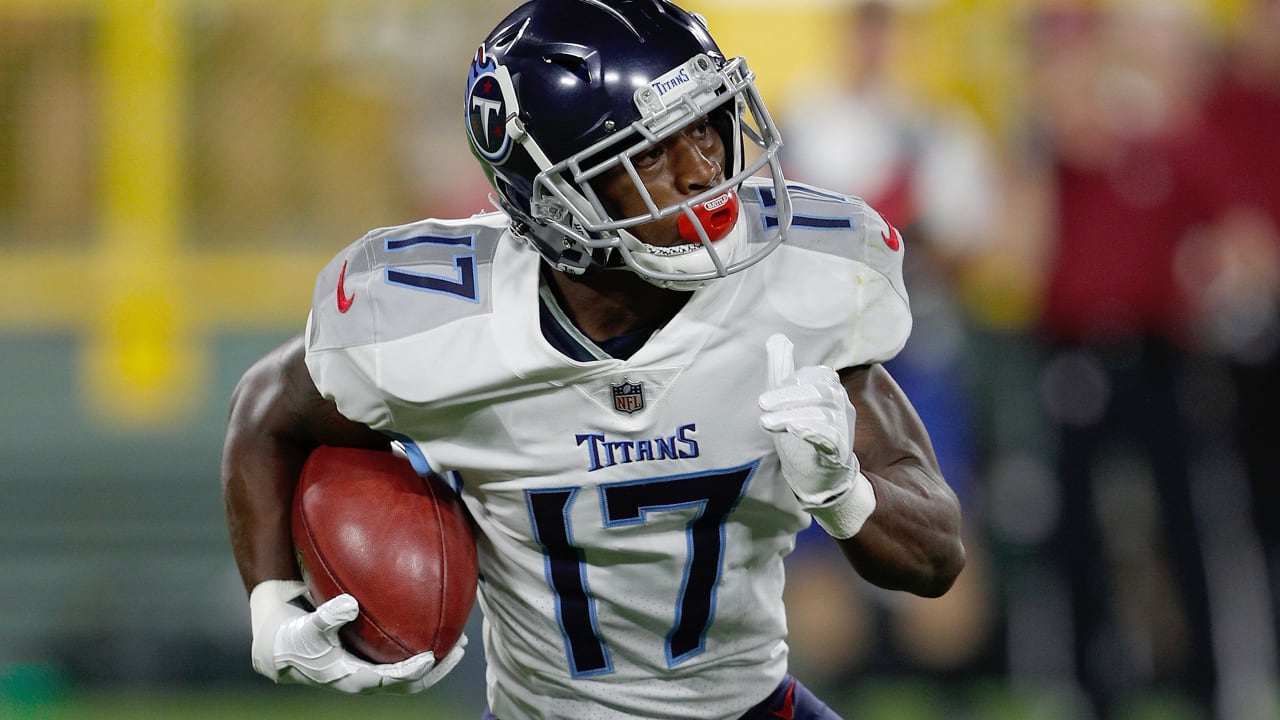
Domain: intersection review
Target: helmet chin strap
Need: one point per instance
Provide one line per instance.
(695, 258)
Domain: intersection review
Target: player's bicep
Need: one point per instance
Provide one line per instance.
(277, 400)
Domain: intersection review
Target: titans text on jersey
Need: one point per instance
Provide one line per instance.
(603, 452)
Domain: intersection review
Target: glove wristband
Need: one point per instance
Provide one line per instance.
(264, 601)
(268, 594)
(844, 516)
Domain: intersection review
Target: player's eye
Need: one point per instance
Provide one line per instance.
(700, 131)
(648, 158)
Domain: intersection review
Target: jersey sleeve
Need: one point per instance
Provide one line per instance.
(341, 334)
(883, 309)
(838, 283)
(384, 303)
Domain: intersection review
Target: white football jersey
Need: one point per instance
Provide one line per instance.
(632, 517)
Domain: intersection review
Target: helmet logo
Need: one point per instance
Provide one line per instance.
(662, 92)
(670, 81)
(487, 111)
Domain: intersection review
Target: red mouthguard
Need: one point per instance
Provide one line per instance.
(716, 215)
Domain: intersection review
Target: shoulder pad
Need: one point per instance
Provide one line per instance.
(831, 223)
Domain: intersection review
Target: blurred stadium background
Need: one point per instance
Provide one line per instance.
(172, 175)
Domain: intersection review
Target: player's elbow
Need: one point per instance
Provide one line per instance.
(944, 568)
(934, 549)
(944, 552)
(928, 565)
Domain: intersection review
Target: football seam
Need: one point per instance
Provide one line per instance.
(374, 622)
(435, 637)
(334, 578)
(319, 559)
(444, 563)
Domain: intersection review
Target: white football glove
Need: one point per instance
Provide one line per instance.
(293, 645)
(812, 422)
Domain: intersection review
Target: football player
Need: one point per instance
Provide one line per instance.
(645, 374)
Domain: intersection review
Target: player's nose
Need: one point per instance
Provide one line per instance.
(694, 171)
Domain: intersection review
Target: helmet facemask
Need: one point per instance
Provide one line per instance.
(565, 199)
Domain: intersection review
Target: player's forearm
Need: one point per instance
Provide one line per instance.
(912, 540)
(260, 467)
(277, 417)
(258, 508)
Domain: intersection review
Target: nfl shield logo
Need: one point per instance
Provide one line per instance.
(628, 397)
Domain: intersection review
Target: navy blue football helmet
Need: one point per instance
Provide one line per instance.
(564, 90)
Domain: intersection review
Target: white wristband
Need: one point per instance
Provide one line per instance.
(269, 595)
(265, 603)
(843, 517)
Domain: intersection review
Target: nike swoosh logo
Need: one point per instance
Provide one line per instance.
(788, 709)
(893, 239)
(344, 301)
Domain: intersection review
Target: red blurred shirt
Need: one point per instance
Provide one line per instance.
(1119, 227)
(1246, 118)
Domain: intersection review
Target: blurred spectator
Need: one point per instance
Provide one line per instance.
(929, 171)
(1132, 176)
(1244, 307)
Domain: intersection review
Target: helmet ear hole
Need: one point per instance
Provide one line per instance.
(574, 64)
(503, 188)
(508, 200)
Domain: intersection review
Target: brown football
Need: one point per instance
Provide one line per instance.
(365, 523)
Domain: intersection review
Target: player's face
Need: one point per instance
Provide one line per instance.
(682, 166)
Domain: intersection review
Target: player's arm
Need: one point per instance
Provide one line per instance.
(857, 458)
(912, 539)
(277, 416)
